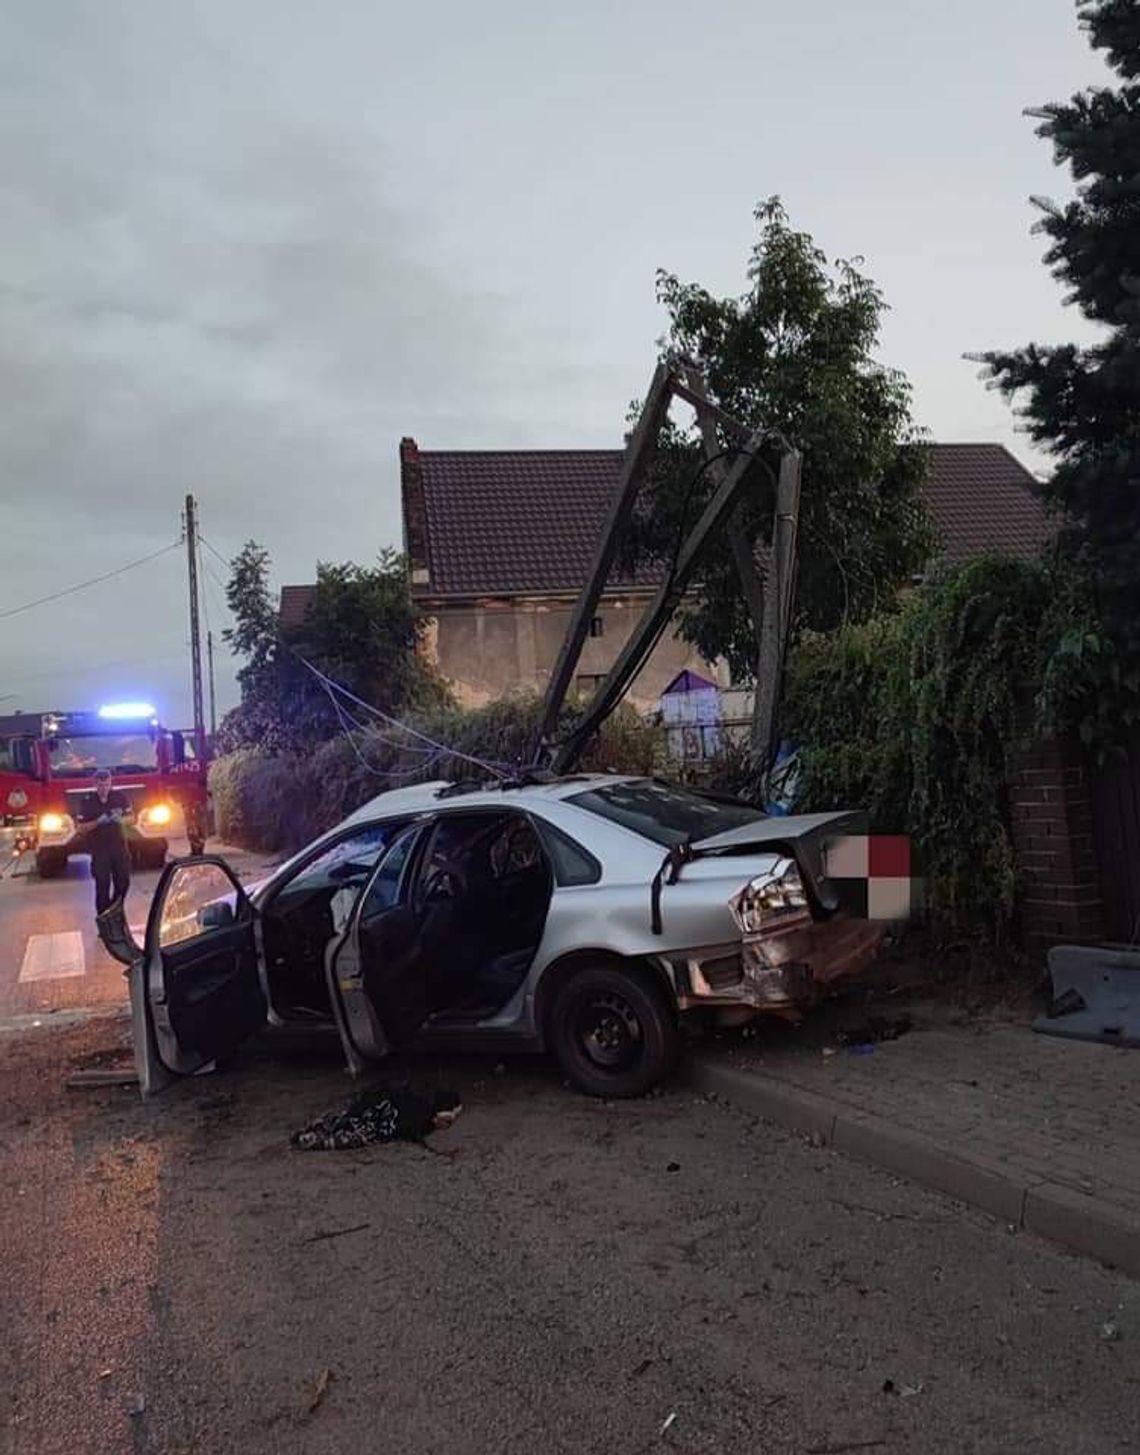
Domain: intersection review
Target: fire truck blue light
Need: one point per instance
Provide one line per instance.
(121, 710)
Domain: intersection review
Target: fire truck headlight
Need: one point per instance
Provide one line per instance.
(55, 825)
(157, 816)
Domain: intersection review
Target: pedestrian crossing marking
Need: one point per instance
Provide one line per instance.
(53, 957)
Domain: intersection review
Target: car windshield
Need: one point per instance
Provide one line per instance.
(79, 757)
(665, 814)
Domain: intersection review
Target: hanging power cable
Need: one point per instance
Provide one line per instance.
(93, 581)
(208, 569)
(391, 774)
(214, 550)
(328, 683)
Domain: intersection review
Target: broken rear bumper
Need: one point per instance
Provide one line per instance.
(783, 974)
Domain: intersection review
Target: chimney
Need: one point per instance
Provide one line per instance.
(415, 512)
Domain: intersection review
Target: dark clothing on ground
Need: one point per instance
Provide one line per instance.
(111, 870)
(107, 844)
(377, 1115)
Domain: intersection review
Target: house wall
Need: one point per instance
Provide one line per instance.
(488, 649)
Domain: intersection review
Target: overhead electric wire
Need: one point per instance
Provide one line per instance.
(345, 718)
(93, 581)
(329, 684)
(221, 587)
(227, 564)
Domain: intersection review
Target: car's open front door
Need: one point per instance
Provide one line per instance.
(370, 966)
(196, 990)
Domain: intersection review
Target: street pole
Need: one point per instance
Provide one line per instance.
(213, 698)
(195, 629)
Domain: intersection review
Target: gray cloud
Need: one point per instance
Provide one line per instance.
(244, 248)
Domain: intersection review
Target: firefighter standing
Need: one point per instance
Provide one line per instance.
(104, 816)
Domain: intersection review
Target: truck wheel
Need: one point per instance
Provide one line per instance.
(153, 854)
(612, 1031)
(50, 863)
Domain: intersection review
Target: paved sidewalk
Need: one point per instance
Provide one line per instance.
(1042, 1133)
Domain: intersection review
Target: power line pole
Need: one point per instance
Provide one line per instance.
(195, 629)
(213, 698)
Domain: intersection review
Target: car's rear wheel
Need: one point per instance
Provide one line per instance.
(613, 1031)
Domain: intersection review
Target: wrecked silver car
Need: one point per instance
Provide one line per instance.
(591, 916)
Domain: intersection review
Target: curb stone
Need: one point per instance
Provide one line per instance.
(1082, 1224)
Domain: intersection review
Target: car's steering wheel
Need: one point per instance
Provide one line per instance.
(443, 883)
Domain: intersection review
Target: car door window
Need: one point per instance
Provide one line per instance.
(348, 861)
(384, 891)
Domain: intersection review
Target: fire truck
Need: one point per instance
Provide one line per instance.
(49, 763)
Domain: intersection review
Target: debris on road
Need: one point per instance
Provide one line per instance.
(844, 1448)
(873, 1030)
(89, 1080)
(1110, 1333)
(1096, 995)
(379, 1115)
(324, 1237)
(320, 1390)
(669, 1421)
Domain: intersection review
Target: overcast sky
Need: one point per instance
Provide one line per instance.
(245, 245)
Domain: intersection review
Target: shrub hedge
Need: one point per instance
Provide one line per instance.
(279, 802)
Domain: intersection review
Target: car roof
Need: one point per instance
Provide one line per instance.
(423, 797)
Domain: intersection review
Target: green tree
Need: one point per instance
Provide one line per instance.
(253, 638)
(362, 631)
(796, 353)
(1083, 404)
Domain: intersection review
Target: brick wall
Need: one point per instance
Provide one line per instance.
(1051, 811)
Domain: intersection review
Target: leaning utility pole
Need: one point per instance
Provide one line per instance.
(191, 525)
(769, 598)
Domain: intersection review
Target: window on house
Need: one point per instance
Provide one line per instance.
(597, 627)
(587, 683)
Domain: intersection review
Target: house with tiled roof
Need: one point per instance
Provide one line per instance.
(499, 545)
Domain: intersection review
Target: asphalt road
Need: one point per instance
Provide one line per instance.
(50, 957)
(557, 1274)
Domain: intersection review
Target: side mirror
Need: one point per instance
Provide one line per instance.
(217, 916)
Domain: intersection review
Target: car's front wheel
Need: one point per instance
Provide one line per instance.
(613, 1031)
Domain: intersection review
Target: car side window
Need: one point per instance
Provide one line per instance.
(384, 890)
(572, 863)
(515, 849)
(347, 862)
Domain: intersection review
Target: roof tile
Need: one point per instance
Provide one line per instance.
(512, 522)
